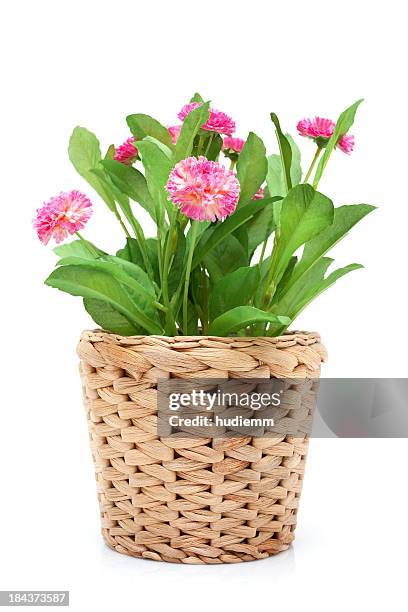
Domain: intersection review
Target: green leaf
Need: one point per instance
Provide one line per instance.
(189, 130)
(178, 265)
(225, 257)
(77, 248)
(275, 177)
(241, 234)
(216, 235)
(329, 281)
(287, 275)
(197, 98)
(345, 217)
(110, 153)
(130, 182)
(310, 286)
(241, 317)
(192, 321)
(235, 289)
(252, 167)
(344, 123)
(304, 214)
(298, 292)
(143, 125)
(260, 227)
(296, 164)
(132, 252)
(215, 147)
(110, 319)
(152, 246)
(285, 152)
(89, 282)
(166, 150)
(157, 170)
(132, 278)
(85, 155)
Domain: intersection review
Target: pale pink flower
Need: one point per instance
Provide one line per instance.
(174, 131)
(126, 153)
(320, 128)
(259, 194)
(346, 143)
(203, 190)
(64, 214)
(217, 121)
(233, 144)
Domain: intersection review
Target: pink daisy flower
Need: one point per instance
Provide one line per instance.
(217, 121)
(346, 143)
(259, 194)
(233, 144)
(174, 131)
(64, 214)
(320, 129)
(186, 110)
(203, 190)
(126, 153)
(316, 128)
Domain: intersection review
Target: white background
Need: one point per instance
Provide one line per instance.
(92, 63)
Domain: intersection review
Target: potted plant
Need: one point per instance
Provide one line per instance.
(240, 250)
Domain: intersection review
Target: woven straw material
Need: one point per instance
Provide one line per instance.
(184, 499)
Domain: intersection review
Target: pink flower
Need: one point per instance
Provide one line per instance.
(126, 153)
(64, 214)
(259, 194)
(316, 128)
(186, 110)
(233, 144)
(203, 190)
(346, 143)
(320, 129)
(174, 131)
(217, 121)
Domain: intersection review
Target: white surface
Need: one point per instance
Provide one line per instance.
(91, 63)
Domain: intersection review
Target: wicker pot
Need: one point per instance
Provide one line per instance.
(191, 501)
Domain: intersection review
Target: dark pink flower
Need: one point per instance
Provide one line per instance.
(233, 144)
(186, 110)
(174, 131)
(316, 128)
(320, 130)
(346, 143)
(126, 153)
(259, 194)
(203, 190)
(64, 214)
(217, 121)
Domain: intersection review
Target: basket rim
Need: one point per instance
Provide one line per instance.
(289, 338)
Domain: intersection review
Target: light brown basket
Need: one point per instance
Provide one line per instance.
(190, 500)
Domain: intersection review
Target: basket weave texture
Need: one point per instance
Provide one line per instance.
(185, 499)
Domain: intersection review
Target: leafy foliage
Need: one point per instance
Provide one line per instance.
(234, 285)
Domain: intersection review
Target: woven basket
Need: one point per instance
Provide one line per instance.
(189, 500)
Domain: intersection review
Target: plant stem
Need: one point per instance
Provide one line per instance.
(232, 165)
(265, 242)
(194, 229)
(119, 218)
(166, 265)
(209, 145)
(92, 250)
(200, 145)
(270, 286)
(159, 306)
(205, 301)
(312, 165)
